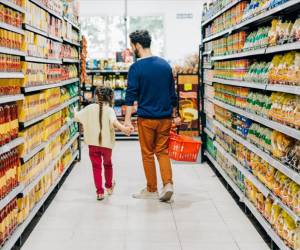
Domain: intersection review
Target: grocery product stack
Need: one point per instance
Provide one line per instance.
(39, 58)
(113, 74)
(251, 70)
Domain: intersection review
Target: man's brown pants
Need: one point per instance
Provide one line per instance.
(154, 137)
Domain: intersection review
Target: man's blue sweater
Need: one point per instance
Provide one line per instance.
(151, 83)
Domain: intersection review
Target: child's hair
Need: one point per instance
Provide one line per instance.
(104, 95)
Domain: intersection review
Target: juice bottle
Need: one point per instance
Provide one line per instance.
(2, 126)
(7, 122)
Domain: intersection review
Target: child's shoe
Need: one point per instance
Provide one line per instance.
(100, 197)
(110, 191)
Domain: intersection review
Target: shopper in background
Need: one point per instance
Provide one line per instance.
(100, 136)
(151, 83)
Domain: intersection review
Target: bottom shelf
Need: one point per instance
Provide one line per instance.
(21, 228)
(262, 221)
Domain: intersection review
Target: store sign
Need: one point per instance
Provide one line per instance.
(184, 16)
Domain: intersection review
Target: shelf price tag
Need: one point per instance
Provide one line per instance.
(188, 87)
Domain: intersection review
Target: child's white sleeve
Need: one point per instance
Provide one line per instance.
(80, 116)
(112, 116)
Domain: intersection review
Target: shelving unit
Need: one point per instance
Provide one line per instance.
(257, 19)
(21, 228)
(207, 63)
(11, 28)
(42, 60)
(292, 132)
(40, 147)
(51, 112)
(42, 33)
(68, 41)
(21, 189)
(262, 221)
(11, 52)
(49, 86)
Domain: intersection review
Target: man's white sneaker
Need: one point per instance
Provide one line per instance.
(167, 193)
(145, 194)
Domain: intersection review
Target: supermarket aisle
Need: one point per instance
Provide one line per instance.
(203, 216)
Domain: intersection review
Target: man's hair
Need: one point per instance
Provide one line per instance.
(142, 37)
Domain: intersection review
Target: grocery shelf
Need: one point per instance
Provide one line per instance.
(35, 30)
(262, 51)
(270, 87)
(236, 189)
(284, 88)
(209, 133)
(41, 32)
(55, 38)
(70, 60)
(51, 112)
(10, 98)
(13, 6)
(240, 83)
(292, 132)
(240, 54)
(14, 52)
(11, 28)
(263, 16)
(283, 47)
(11, 75)
(265, 156)
(42, 60)
(278, 201)
(49, 86)
(262, 221)
(44, 7)
(265, 224)
(259, 185)
(207, 66)
(12, 194)
(21, 228)
(11, 145)
(69, 41)
(72, 23)
(225, 8)
(206, 53)
(40, 147)
(32, 184)
(208, 82)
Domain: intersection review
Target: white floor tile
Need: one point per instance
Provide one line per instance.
(202, 216)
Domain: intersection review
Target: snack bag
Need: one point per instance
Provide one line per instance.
(273, 32)
(273, 68)
(295, 32)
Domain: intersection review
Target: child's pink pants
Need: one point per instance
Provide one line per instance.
(96, 156)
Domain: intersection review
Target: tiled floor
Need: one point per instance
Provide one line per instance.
(203, 215)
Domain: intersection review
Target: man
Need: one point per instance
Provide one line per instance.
(151, 83)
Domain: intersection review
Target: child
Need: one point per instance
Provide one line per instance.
(98, 122)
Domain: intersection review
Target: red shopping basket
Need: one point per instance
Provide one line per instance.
(183, 148)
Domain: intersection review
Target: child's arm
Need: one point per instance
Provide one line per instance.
(125, 130)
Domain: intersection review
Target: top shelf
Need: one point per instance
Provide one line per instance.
(220, 12)
(260, 18)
